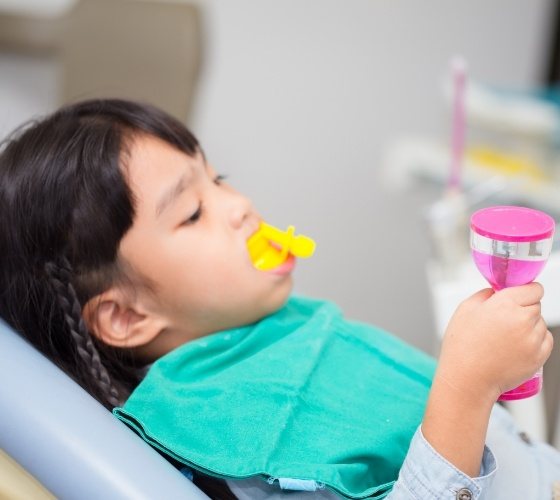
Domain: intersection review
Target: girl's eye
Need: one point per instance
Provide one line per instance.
(219, 179)
(194, 217)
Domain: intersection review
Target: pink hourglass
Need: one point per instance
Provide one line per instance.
(510, 246)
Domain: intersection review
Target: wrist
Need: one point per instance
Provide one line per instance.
(470, 388)
(456, 421)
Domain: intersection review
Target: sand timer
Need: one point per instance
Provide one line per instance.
(510, 246)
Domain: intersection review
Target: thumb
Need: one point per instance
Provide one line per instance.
(481, 296)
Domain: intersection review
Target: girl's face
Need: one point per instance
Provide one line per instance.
(189, 239)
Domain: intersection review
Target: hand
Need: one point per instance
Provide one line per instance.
(495, 341)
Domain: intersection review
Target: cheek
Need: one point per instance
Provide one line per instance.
(186, 272)
(222, 277)
(209, 275)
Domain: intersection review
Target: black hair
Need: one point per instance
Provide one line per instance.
(64, 208)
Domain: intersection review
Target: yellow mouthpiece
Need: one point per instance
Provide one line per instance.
(269, 246)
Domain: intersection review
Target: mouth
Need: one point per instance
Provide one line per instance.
(269, 256)
(273, 250)
(285, 267)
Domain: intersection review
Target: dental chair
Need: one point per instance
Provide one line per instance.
(68, 442)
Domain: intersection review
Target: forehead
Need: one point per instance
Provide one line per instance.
(152, 165)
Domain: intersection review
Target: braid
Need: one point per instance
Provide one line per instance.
(60, 279)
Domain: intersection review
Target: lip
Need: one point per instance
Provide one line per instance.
(285, 268)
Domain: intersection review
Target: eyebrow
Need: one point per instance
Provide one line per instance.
(171, 194)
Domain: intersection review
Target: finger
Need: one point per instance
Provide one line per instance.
(534, 311)
(541, 327)
(481, 295)
(525, 295)
(546, 346)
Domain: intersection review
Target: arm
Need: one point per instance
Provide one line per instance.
(492, 344)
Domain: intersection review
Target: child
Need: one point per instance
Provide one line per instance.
(121, 247)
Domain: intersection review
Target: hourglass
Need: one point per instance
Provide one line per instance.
(510, 246)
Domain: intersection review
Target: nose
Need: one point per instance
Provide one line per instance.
(241, 210)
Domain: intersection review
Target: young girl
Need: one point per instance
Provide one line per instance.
(123, 248)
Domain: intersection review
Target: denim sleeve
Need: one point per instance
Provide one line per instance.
(426, 475)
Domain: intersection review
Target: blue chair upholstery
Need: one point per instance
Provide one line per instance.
(68, 441)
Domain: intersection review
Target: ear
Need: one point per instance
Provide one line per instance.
(119, 320)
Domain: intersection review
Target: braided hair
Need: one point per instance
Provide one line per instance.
(60, 277)
(64, 208)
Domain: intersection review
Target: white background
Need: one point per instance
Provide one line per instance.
(299, 100)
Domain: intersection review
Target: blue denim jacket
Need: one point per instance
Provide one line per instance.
(513, 467)
(426, 475)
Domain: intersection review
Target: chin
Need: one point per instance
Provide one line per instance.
(280, 297)
(270, 303)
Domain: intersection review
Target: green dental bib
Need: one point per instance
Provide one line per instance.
(303, 394)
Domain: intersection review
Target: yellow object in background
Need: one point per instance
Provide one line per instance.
(269, 246)
(506, 164)
(18, 484)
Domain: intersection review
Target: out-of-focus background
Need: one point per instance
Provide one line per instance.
(331, 115)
